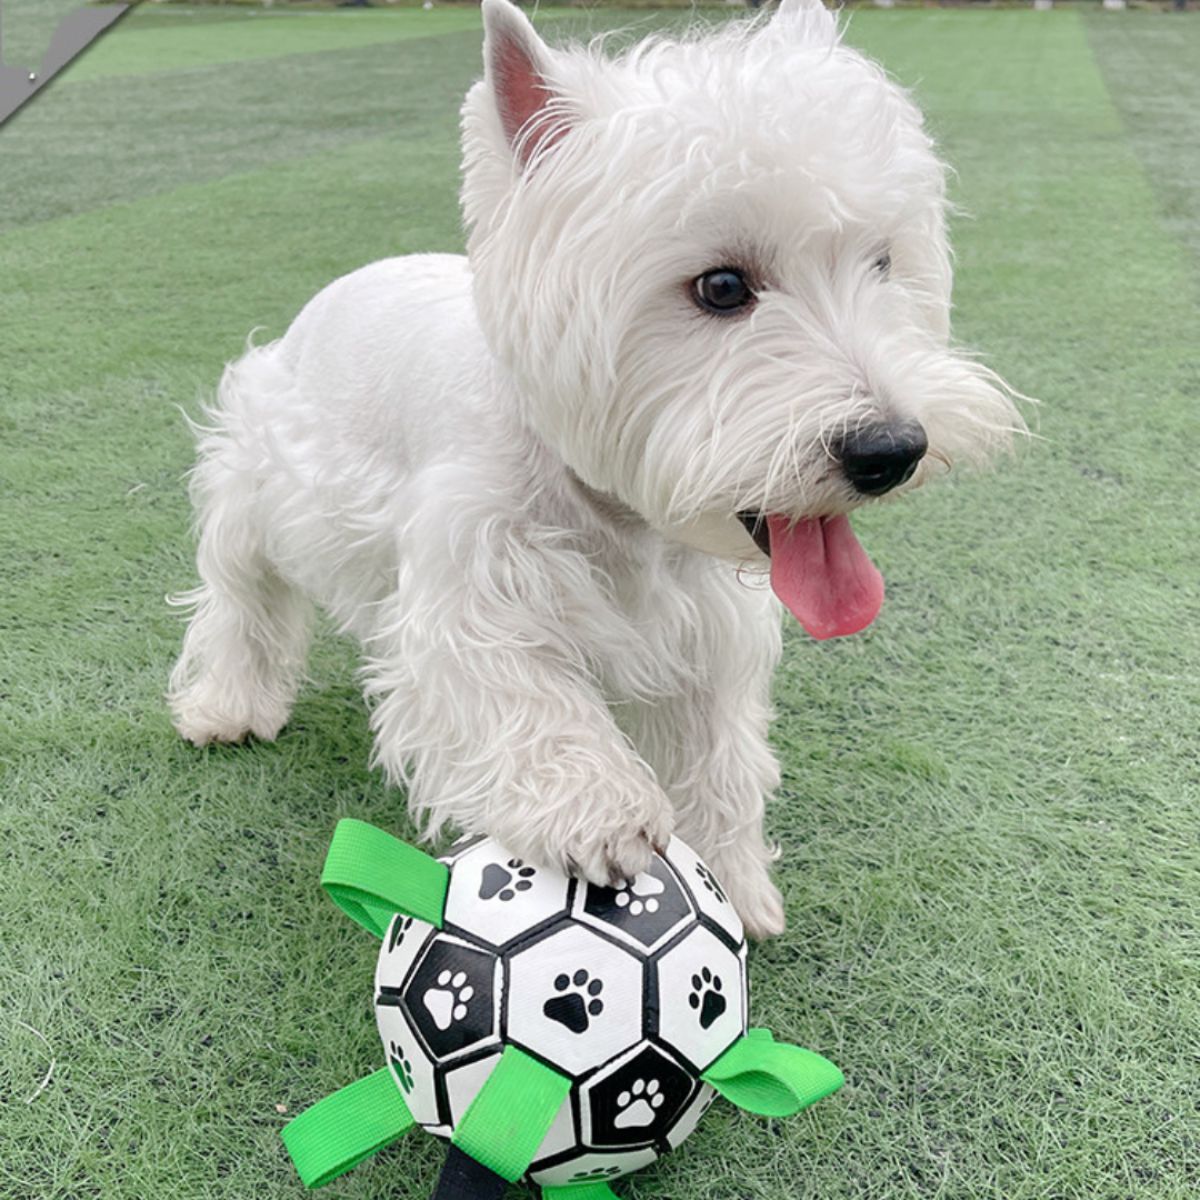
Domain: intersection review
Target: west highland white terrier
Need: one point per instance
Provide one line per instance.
(703, 315)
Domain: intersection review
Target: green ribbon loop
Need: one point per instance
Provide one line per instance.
(337, 1133)
(772, 1078)
(371, 876)
(596, 1190)
(508, 1119)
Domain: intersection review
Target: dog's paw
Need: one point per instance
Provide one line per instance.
(624, 853)
(762, 913)
(605, 854)
(752, 894)
(205, 724)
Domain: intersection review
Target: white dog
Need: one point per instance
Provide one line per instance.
(703, 315)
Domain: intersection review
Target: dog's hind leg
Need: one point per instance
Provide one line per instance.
(245, 647)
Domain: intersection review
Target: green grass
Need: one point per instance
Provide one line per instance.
(26, 27)
(990, 809)
(262, 34)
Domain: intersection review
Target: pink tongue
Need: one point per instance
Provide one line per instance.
(823, 575)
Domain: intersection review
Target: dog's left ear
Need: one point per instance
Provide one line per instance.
(516, 70)
(805, 19)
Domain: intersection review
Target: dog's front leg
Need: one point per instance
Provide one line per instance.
(709, 749)
(492, 721)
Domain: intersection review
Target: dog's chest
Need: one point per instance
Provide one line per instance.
(647, 625)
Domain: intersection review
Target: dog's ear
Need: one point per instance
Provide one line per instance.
(805, 19)
(516, 69)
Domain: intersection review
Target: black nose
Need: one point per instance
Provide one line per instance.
(877, 458)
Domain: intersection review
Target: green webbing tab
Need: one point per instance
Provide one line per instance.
(772, 1078)
(507, 1121)
(337, 1133)
(596, 1190)
(371, 876)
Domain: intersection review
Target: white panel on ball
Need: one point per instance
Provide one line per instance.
(562, 1134)
(499, 898)
(743, 960)
(690, 1118)
(576, 999)
(463, 1084)
(403, 942)
(461, 846)
(706, 889)
(411, 1067)
(592, 1168)
(701, 1005)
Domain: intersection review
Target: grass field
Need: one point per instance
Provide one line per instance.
(990, 815)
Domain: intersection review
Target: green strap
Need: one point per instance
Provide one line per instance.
(508, 1119)
(337, 1133)
(371, 876)
(596, 1190)
(772, 1078)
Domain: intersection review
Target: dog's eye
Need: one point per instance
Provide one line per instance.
(883, 264)
(722, 291)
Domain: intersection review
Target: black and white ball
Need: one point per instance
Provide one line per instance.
(631, 991)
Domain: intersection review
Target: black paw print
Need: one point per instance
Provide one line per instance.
(400, 928)
(578, 1000)
(710, 881)
(401, 1066)
(706, 997)
(505, 883)
(596, 1173)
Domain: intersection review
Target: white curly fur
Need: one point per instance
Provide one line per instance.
(514, 476)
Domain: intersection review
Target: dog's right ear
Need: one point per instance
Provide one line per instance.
(516, 70)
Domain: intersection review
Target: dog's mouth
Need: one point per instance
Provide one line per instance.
(819, 570)
(756, 526)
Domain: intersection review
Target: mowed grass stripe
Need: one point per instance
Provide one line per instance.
(131, 50)
(989, 814)
(1163, 126)
(89, 145)
(179, 279)
(153, 14)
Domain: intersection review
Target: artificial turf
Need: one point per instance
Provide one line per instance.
(990, 815)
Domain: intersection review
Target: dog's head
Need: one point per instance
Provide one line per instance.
(717, 268)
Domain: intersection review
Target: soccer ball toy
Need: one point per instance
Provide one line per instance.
(549, 1028)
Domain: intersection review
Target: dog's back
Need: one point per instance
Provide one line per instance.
(388, 358)
(322, 439)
